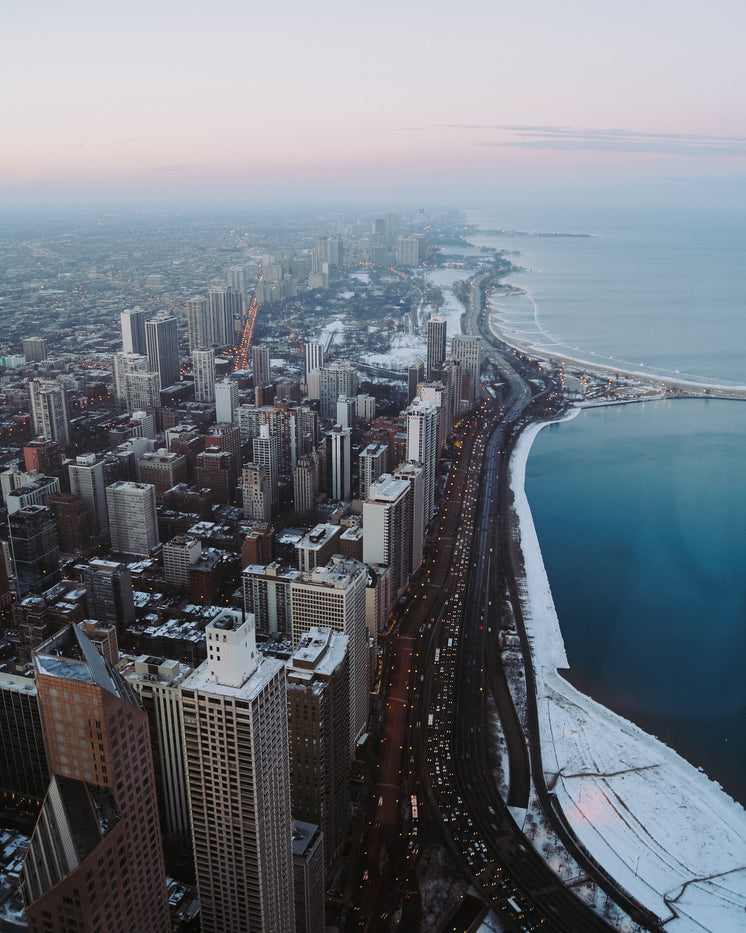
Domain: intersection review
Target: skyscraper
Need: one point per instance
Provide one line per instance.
(467, 350)
(132, 518)
(260, 362)
(341, 466)
(226, 401)
(386, 529)
(314, 357)
(422, 432)
(372, 463)
(436, 345)
(203, 361)
(414, 474)
(335, 380)
(266, 453)
(256, 492)
(334, 596)
(95, 860)
(234, 715)
(108, 587)
(49, 411)
(199, 324)
(415, 375)
(133, 330)
(88, 484)
(162, 342)
(226, 306)
(34, 548)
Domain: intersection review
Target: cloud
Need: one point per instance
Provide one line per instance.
(567, 139)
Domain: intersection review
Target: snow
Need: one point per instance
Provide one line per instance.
(659, 826)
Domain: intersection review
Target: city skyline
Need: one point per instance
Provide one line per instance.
(325, 101)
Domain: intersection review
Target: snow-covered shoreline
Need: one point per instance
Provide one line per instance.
(660, 826)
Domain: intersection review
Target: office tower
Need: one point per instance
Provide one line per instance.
(72, 522)
(49, 411)
(386, 531)
(199, 324)
(133, 523)
(422, 430)
(341, 466)
(305, 486)
(108, 586)
(35, 491)
(234, 721)
(203, 362)
(87, 482)
(179, 554)
(260, 363)
(346, 409)
(226, 400)
(414, 474)
(334, 596)
(256, 492)
(266, 452)
(44, 456)
(335, 380)
(34, 549)
(266, 594)
(163, 470)
(95, 860)
(162, 342)
(318, 729)
(309, 883)
(314, 357)
(35, 349)
(226, 306)
(216, 470)
(316, 548)
(415, 375)
(436, 345)
(133, 331)
(24, 774)
(156, 682)
(372, 463)
(468, 351)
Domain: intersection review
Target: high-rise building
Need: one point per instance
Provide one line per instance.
(35, 349)
(438, 393)
(341, 463)
(226, 400)
(108, 586)
(305, 485)
(415, 375)
(35, 491)
(371, 464)
(256, 492)
(234, 721)
(346, 411)
(266, 594)
(226, 306)
(142, 390)
(316, 547)
(162, 469)
(179, 554)
(386, 531)
(467, 350)
(414, 474)
(72, 521)
(157, 682)
(24, 774)
(87, 482)
(436, 345)
(334, 596)
(44, 456)
(314, 357)
(309, 878)
(133, 522)
(260, 362)
(199, 324)
(266, 453)
(34, 549)
(95, 861)
(216, 470)
(334, 380)
(162, 342)
(318, 728)
(133, 330)
(203, 362)
(49, 411)
(422, 432)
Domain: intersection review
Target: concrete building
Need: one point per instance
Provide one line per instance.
(334, 596)
(266, 452)
(49, 411)
(133, 330)
(35, 491)
(414, 474)
(436, 345)
(44, 457)
(163, 470)
(34, 549)
(199, 324)
(203, 364)
(142, 390)
(108, 586)
(180, 554)
(305, 485)
(371, 465)
(234, 721)
(156, 682)
(346, 411)
(318, 728)
(95, 861)
(266, 594)
(334, 380)
(87, 482)
(24, 774)
(35, 349)
(133, 523)
(309, 884)
(226, 401)
(415, 375)
(340, 486)
(314, 357)
(316, 547)
(256, 492)
(260, 363)
(422, 434)
(468, 351)
(386, 531)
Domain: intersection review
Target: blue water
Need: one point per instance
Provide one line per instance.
(641, 510)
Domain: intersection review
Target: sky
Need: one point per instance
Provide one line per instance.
(425, 99)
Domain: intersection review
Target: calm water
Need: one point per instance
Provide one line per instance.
(641, 510)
